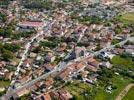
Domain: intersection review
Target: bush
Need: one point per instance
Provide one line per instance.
(12, 47)
(7, 55)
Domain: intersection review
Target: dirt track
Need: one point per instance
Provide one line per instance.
(124, 92)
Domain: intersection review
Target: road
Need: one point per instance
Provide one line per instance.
(112, 46)
(57, 70)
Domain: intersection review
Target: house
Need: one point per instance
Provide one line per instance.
(39, 71)
(34, 87)
(122, 37)
(2, 89)
(91, 68)
(71, 69)
(38, 57)
(49, 67)
(54, 94)
(84, 74)
(107, 2)
(26, 63)
(14, 63)
(49, 57)
(62, 48)
(2, 64)
(22, 92)
(92, 64)
(106, 64)
(130, 52)
(30, 24)
(61, 94)
(8, 75)
(20, 54)
(64, 74)
(46, 96)
(23, 78)
(79, 66)
(117, 51)
(128, 46)
(76, 53)
(80, 51)
(48, 82)
(110, 55)
(91, 47)
(32, 55)
(64, 94)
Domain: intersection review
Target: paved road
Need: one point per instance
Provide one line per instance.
(112, 46)
(124, 92)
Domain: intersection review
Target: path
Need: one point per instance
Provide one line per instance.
(124, 91)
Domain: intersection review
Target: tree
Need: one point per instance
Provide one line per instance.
(3, 17)
(6, 32)
(118, 30)
(105, 75)
(115, 41)
(12, 47)
(34, 4)
(7, 55)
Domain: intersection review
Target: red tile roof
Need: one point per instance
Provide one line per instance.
(47, 96)
(49, 82)
(49, 66)
(70, 69)
(31, 24)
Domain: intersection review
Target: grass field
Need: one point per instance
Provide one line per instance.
(128, 18)
(119, 82)
(77, 89)
(130, 94)
(118, 60)
(4, 83)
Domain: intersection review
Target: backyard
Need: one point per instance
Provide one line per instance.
(80, 91)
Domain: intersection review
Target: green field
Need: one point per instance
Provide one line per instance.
(4, 83)
(130, 94)
(119, 82)
(128, 18)
(126, 62)
(78, 90)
